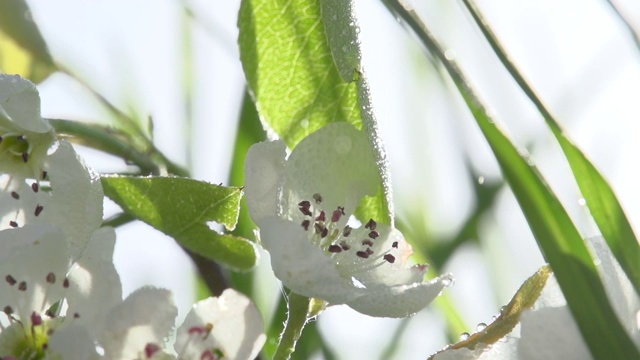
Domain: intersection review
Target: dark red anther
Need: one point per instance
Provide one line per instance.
(374, 234)
(76, 316)
(362, 254)
(13, 223)
(197, 330)
(44, 175)
(371, 225)
(324, 233)
(319, 228)
(150, 349)
(344, 245)
(335, 248)
(305, 224)
(36, 319)
(10, 280)
(35, 187)
(390, 258)
(38, 210)
(346, 231)
(337, 214)
(15, 195)
(367, 242)
(65, 283)
(317, 197)
(322, 217)
(305, 207)
(51, 278)
(22, 286)
(341, 208)
(8, 310)
(25, 156)
(369, 251)
(394, 245)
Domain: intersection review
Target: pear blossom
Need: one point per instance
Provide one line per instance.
(303, 206)
(548, 330)
(226, 327)
(24, 136)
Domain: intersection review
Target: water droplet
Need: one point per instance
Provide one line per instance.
(448, 280)
(494, 318)
(480, 180)
(481, 327)
(582, 202)
(597, 262)
(503, 310)
(450, 54)
(464, 336)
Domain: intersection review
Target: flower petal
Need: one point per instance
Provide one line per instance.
(337, 162)
(264, 165)
(230, 323)
(399, 301)
(303, 267)
(20, 103)
(146, 316)
(72, 342)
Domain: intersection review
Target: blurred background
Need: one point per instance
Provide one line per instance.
(177, 62)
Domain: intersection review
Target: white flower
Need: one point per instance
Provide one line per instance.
(302, 206)
(548, 330)
(227, 327)
(24, 136)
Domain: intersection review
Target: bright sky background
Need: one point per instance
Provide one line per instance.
(577, 54)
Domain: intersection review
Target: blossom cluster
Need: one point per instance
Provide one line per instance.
(60, 294)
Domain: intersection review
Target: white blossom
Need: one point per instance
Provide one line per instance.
(303, 206)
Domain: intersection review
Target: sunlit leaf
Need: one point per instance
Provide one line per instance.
(181, 208)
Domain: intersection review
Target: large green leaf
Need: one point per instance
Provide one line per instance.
(557, 236)
(289, 51)
(181, 208)
(22, 49)
(601, 199)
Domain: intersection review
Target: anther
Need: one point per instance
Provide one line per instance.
(317, 197)
(35, 187)
(22, 286)
(65, 283)
(305, 224)
(197, 330)
(20, 138)
(322, 217)
(36, 319)
(319, 228)
(341, 208)
(346, 231)
(371, 225)
(362, 254)
(15, 195)
(39, 209)
(25, 156)
(150, 349)
(344, 245)
(10, 280)
(44, 175)
(369, 251)
(390, 258)
(13, 223)
(394, 245)
(51, 278)
(373, 234)
(76, 315)
(367, 242)
(8, 310)
(324, 233)
(337, 214)
(304, 208)
(335, 248)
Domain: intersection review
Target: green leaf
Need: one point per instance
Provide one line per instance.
(557, 236)
(22, 49)
(181, 208)
(289, 52)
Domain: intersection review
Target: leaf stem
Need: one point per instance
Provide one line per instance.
(296, 320)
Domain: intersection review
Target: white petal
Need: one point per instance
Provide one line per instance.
(399, 301)
(264, 165)
(20, 102)
(303, 267)
(72, 342)
(77, 197)
(337, 162)
(26, 284)
(146, 316)
(94, 282)
(237, 328)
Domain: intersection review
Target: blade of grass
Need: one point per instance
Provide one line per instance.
(600, 197)
(557, 236)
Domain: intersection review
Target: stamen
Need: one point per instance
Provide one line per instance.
(374, 234)
(8, 310)
(346, 231)
(371, 225)
(335, 249)
(344, 245)
(394, 245)
(389, 258)
(10, 280)
(369, 251)
(13, 224)
(35, 187)
(39, 209)
(65, 283)
(337, 214)
(322, 217)
(15, 195)
(304, 208)
(51, 278)
(367, 242)
(36, 319)
(317, 197)
(25, 156)
(324, 233)
(305, 224)
(362, 254)
(44, 175)
(319, 228)
(22, 286)
(150, 349)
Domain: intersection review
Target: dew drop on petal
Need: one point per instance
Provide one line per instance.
(582, 202)
(464, 336)
(480, 180)
(448, 280)
(481, 327)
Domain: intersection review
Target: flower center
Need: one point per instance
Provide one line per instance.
(354, 250)
(14, 147)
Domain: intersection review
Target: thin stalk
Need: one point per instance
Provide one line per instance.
(626, 20)
(296, 320)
